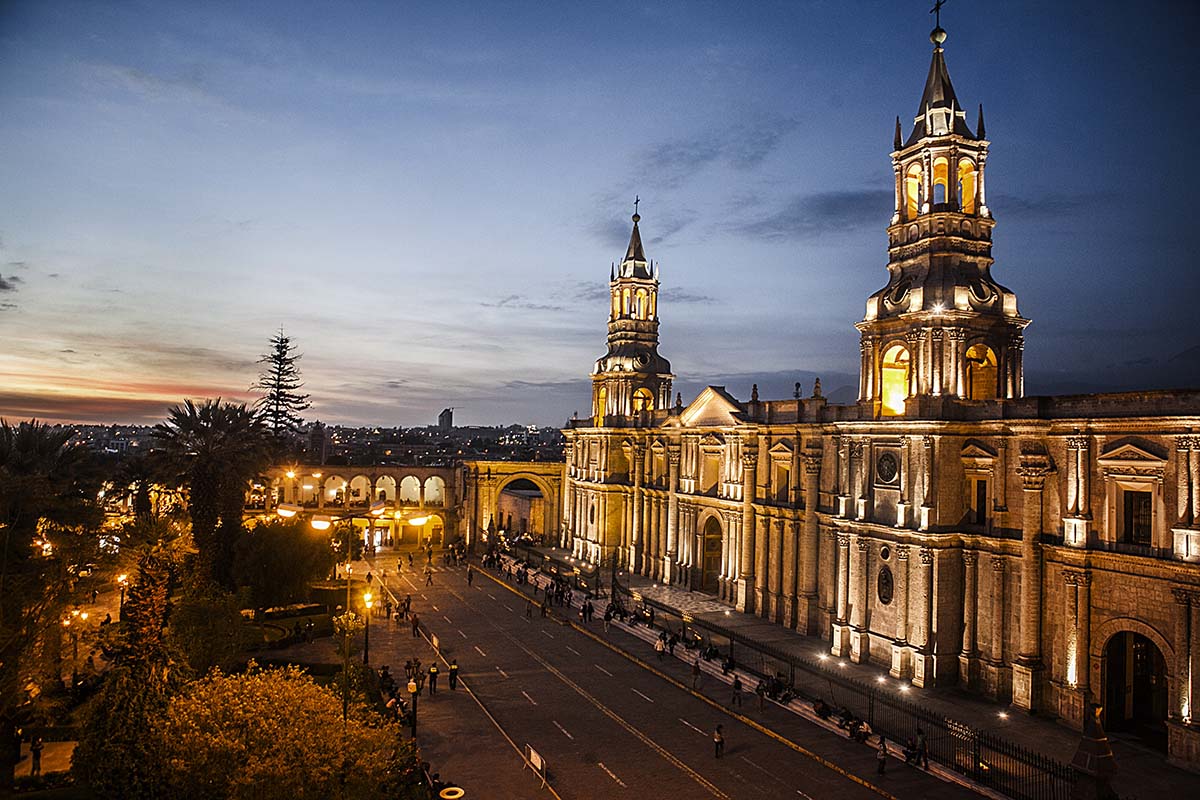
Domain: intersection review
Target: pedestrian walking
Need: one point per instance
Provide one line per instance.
(761, 691)
(387, 607)
(737, 691)
(718, 741)
(470, 575)
(659, 648)
(453, 674)
(545, 607)
(528, 609)
(922, 749)
(881, 756)
(696, 673)
(416, 626)
(608, 615)
(671, 642)
(410, 560)
(428, 575)
(407, 604)
(433, 676)
(35, 755)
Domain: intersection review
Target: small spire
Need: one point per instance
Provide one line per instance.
(754, 393)
(796, 391)
(980, 133)
(898, 141)
(635, 252)
(612, 272)
(817, 388)
(678, 400)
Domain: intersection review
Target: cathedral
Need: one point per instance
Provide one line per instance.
(1041, 551)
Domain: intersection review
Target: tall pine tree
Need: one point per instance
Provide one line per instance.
(280, 406)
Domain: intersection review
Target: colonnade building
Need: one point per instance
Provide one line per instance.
(1043, 551)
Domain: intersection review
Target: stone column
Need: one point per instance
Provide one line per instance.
(807, 602)
(997, 676)
(635, 531)
(762, 566)
(901, 652)
(925, 512)
(1027, 669)
(923, 660)
(1183, 701)
(968, 659)
(745, 583)
(860, 641)
(841, 628)
(670, 561)
(776, 569)
(1194, 648)
(790, 534)
(827, 588)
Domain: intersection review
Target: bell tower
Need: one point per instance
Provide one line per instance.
(942, 325)
(631, 380)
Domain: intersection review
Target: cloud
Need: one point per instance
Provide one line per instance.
(515, 301)
(683, 296)
(9, 284)
(809, 216)
(672, 163)
(1046, 206)
(189, 88)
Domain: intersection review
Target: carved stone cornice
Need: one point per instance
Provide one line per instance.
(956, 334)
(1077, 442)
(749, 459)
(673, 454)
(1072, 577)
(937, 334)
(1033, 469)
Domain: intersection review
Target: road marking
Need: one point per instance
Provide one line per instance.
(506, 605)
(477, 650)
(435, 608)
(423, 597)
(573, 650)
(693, 727)
(447, 619)
(564, 730)
(502, 672)
(489, 594)
(460, 633)
(639, 694)
(547, 633)
(530, 699)
(620, 782)
(602, 669)
(774, 777)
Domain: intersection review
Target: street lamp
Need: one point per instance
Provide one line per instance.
(368, 601)
(122, 581)
(412, 708)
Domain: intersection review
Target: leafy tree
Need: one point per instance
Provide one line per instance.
(207, 627)
(215, 449)
(268, 734)
(48, 516)
(282, 402)
(275, 561)
(134, 478)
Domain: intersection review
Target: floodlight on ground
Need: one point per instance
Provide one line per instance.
(321, 522)
(287, 510)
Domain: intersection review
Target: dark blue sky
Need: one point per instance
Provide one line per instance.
(428, 196)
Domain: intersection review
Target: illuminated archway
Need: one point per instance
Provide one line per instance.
(360, 490)
(912, 191)
(643, 400)
(981, 372)
(894, 379)
(1135, 688)
(601, 404)
(385, 489)
(941, 180)
(966, 186)
(334, 490)
(410, 489)
(435, 491)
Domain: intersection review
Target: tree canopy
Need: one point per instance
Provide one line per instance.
(281, 402)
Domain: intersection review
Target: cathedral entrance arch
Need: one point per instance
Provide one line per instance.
(710, 555)
(1135, 688)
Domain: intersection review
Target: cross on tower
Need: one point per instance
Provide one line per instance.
(937, 12)
(636, 200)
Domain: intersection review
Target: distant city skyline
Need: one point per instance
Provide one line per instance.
(427, 197)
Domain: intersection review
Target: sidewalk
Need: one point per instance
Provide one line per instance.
(1141, 771)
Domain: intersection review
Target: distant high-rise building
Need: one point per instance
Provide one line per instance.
(446, 420)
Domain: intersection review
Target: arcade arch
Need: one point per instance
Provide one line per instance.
(410, 489)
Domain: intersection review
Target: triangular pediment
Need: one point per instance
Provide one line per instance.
(712, 440)
(713, 408)
(781, 451)
(658, 447)
(1129, 453)
(974, 448)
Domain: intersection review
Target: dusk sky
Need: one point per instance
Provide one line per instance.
(427, 197)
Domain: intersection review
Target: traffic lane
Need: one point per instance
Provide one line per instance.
(586, 747)
(671, 715)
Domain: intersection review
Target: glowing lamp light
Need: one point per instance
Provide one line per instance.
(83, 616)
(287, 510)
(122, 579)
(291, 473)
(368, 599)
(321, 522)
(938, 308)
(307, 487)
(378, 508)
(1002, 715)
(418, 521)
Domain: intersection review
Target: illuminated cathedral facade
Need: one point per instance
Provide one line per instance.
(1043, 551)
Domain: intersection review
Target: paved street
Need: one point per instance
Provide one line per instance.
(604, 723)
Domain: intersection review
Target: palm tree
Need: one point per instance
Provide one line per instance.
(215, 449)
(48, 513)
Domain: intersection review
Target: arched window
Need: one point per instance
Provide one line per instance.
(653, 305)
(912, 191)
(894, 380)
(410, 489)
(616, 304)
(966, 186)
(642, 307)
(643, 400)
(941, 180)
(435, 491)
(624, 302)
(981, 372)
(601, 404)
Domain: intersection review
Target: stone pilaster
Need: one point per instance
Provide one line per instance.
(968, 657)
(671, 559)
(745, 582)
(860, 640)
(901, 651)
(1073, 695)
(762, 565)
(806, 612)
(635, 531)
(924, 666)
(841, 625)
(997, 675)
(1028, 668)
(790, 533)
